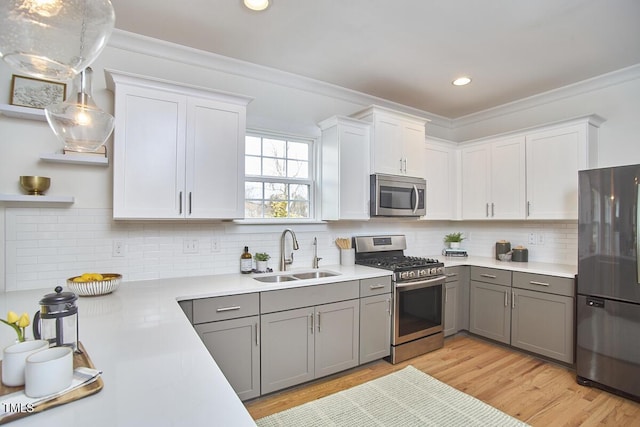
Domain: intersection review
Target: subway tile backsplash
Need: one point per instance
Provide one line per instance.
(44, 246)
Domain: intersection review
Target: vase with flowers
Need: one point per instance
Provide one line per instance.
(18, 323)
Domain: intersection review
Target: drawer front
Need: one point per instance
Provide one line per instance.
(452, 274)
(307, 296)
(543, 283)
(491, 275)
(227, 307)
(375, 286)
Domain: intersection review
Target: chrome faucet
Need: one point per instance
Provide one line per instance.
(316, 260)
(283, 261)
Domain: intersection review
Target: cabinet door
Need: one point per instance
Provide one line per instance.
(345, 169)
(413, 155)
(375, 327)
(149, 153)
(387, 148)
(336, 337)
(553, 160)
(235, 346)
(287, 348)
(508, 184)
(543, 323)
(214, 160)
(490, 311)
(476, 178)
(439, 171)
(450, 308)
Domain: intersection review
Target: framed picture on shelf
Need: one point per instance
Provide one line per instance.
(36, 93)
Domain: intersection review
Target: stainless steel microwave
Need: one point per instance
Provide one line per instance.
(397, 196)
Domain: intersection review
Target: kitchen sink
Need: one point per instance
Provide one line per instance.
(306, 275)
(315, 275)
(275, 279)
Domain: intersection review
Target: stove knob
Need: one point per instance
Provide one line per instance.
(440, 270)
(411, 274)
(424, 272)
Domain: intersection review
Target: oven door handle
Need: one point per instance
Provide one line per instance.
(407, 286)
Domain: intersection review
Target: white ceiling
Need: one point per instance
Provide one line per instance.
(409, 51)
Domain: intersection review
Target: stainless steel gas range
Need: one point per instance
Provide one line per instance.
(418, 294)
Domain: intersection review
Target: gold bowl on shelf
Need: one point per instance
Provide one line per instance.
(35, 185)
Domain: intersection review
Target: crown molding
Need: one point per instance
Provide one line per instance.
(585, 86)
(137, 43)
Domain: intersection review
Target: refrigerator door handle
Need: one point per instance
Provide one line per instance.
(637, 224)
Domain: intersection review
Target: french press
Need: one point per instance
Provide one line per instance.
(57, 319)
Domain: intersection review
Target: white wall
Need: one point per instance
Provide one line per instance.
(43, 246)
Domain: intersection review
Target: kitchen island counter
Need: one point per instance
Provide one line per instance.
(156, 369)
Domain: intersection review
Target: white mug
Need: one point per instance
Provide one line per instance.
(14, 359)
(48, 371)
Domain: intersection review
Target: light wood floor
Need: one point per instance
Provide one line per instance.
(534, 391)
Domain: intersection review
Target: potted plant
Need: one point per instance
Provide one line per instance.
(261, 261)
(453, 239)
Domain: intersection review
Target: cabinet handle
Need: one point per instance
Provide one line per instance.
(223, 309)
(180, 203)
(389, 306)
(528, 208)
(487, 210)
(318, 321)
(257, 335)
(446, 295)
(400, 165)
(533, 282)
(311, 318)
(189, 202)
(451, 274)
(376, 287)
(513, 299)
(506, 298)
(405, 165)
(493, 213)
(490, 276)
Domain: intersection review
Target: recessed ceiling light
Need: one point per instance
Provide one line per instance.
(461, 81)
(256, 4)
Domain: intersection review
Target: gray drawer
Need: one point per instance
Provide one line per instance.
(543, 283)
(307, 296)
(452, 274)
(491, 275)
(375, 286)
(227, 307)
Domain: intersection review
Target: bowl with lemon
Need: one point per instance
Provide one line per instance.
(93, 284)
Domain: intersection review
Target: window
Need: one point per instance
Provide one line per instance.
(278, 177)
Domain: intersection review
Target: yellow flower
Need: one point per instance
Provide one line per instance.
(23, 321)
(12, 317)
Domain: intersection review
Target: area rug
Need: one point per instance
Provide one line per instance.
(406, 398)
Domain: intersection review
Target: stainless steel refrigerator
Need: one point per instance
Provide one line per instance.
(608, 283)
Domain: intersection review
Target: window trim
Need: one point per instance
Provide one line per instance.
(312, 180)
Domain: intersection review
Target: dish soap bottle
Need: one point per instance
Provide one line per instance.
(246, 261)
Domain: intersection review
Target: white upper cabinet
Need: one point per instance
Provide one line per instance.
(398, 141)
(554, 157)
(178, 150)
(493, 179)
(440, 173)
(345, 169)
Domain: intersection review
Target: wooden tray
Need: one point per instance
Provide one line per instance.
(79, 360)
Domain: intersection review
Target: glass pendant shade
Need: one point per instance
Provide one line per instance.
(54, 39)
(77, 122)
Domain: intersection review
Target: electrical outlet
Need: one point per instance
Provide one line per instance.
(190, 246)
(215, 244)
(540, 239)
(533, 238)
(118, 249)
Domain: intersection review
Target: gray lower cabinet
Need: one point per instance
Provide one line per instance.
(308, 332)
(450, 308)
(235, 346)
(456, 300)
(490, 311)
(375, 327)
(229, 326)
(543, 315)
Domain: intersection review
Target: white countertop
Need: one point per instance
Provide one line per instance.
(156, 369)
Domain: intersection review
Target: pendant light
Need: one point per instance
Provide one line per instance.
(54, 39)
(78, 122)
